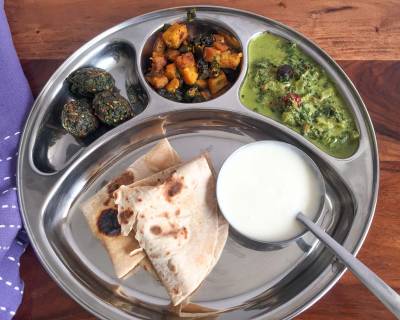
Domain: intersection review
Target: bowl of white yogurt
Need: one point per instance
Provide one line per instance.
(263, 185)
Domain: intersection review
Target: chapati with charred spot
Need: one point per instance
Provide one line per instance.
(183, 248)
(102, 217)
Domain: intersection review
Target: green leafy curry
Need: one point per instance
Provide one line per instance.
(284, 83)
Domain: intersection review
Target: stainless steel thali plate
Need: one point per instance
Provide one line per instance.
(56, 173)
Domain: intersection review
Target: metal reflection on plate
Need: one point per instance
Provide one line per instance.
(56, 173)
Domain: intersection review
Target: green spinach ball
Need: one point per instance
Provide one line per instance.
(77, 118)
(112, 108)
(88, 81)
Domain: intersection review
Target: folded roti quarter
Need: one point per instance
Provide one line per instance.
(102, 216)
(123, 198)
(177, 224)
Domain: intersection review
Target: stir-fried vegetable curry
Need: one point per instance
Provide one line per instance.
(193, 68)
(285, 84)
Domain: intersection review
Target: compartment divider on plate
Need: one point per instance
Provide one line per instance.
(50, 197)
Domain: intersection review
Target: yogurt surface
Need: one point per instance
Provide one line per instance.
(263, 185)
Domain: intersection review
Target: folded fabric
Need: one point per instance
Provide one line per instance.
(15, 102)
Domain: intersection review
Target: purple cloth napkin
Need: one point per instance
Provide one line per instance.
(15, 101)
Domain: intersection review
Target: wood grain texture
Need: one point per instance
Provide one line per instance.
(352, 30)
(364, 36)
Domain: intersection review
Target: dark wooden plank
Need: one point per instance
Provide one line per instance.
(43, 299)
(377, 82)
(49, 31)
(355, 30)
(38, 72)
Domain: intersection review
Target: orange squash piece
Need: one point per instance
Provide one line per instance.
(175, 35)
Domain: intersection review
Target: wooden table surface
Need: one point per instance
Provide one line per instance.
(363, 36)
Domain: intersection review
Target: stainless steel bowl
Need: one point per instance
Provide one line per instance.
(319, 198)
(56, 173)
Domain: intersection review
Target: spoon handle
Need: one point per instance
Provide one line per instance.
(375, 284)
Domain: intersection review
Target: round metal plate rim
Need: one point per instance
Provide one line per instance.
(32, 126)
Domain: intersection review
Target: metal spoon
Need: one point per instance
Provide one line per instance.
(376, 285)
